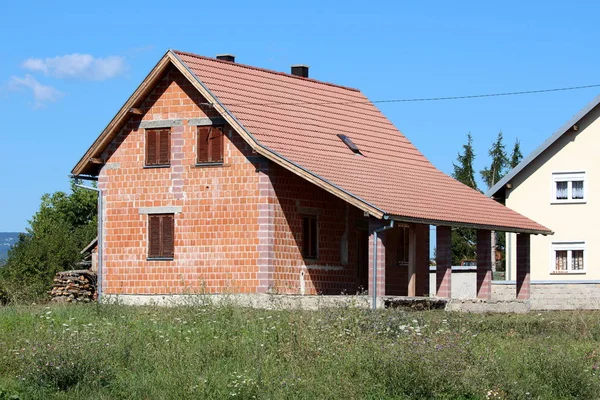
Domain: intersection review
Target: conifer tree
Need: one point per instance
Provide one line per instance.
(463, 172)
(497, 168)
(463, 239)
(516, 155)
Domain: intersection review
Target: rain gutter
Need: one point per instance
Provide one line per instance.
(375, 234)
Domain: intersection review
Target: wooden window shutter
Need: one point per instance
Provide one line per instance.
(168, 235)
(164, 148)
(216, 145)
(154, 235)
(202, 147)
(151, 147)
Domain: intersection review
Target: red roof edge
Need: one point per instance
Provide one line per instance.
(270, 71)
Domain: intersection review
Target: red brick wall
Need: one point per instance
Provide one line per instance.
(216, 232)
(336, 220)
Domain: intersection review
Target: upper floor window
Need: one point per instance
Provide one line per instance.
(568, 187)
(568, 258)
(158, 147)
(210, 145)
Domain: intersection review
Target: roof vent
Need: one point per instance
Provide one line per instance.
(300, 70)
(226, 57)
(350, 144)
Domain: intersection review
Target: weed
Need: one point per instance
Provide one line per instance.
(208, 350)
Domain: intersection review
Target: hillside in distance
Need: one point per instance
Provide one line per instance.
(7, 240)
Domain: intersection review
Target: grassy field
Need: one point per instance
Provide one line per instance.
(204, 352)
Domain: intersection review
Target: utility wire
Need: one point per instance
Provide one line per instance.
(419, 99)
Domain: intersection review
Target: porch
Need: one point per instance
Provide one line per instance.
(400, 251)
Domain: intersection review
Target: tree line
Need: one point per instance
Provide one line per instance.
(464, 240)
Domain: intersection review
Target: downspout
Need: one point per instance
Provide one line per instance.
(100, 239)
(375, 234)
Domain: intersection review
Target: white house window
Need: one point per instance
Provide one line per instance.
(568, 187)
(568, 258)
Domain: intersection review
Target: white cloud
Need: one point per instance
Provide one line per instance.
(78, 66)
(42, 94)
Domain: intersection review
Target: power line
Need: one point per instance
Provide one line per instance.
(420, 99)
(476, 96)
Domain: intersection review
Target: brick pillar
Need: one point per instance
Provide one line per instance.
(484, 264)
(443, 257)
(266, 229)
(376, 224)
(523, 265)
(422, 260)
(412, 260)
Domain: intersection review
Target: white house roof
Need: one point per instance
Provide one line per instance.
(547, 143)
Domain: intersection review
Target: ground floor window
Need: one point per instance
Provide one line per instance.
(310, 236)
(568, 257)
(161, 237)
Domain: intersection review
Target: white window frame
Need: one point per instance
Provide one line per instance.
(568, 247)
(569, 177)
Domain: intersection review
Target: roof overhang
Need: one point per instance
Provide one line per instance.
(465, 225)
(87, 165)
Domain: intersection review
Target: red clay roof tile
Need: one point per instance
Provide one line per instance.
(299, 119)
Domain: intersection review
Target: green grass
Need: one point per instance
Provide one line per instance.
(206, 352)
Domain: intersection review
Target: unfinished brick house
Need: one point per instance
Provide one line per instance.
(217, 177)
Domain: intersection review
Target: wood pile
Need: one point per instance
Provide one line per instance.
(74, 286)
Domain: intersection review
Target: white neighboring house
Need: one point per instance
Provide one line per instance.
(558, 185)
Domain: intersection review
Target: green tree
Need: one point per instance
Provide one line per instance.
(497, 168)
(463, 171)
(463, 239)
(63, 225)
(516, 155)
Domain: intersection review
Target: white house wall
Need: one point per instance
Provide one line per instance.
(531, 195)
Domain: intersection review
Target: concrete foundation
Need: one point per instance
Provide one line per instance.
(544, 296)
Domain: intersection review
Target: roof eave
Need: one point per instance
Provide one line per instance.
(456, 224)
(84, 165)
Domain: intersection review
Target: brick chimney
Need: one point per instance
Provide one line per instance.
(226, 57)
(300, 70)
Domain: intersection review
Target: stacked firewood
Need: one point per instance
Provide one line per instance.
(74, 286)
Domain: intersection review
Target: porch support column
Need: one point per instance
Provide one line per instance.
(484, 264)
(422, 260)
(412, 260)
(377, 225)
(523, 265)
(443, 259)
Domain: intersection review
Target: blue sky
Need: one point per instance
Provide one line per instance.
(67, 67)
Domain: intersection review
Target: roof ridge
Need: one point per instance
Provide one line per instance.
(265, 70)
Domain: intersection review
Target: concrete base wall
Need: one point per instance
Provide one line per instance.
(258, 300)
(463, 283)
(554, 295)
(544, 296)
(488, 306)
